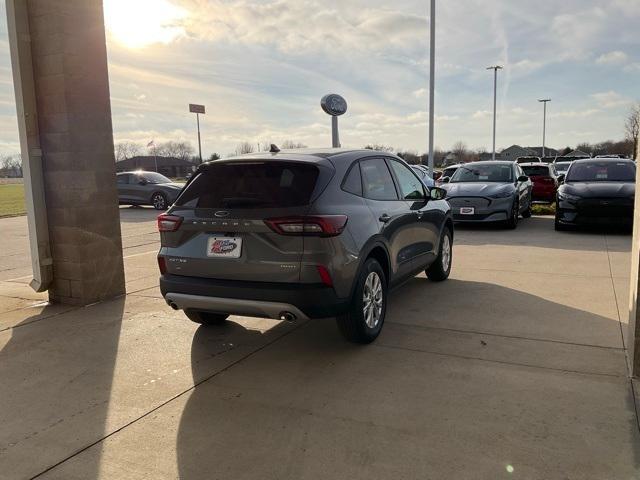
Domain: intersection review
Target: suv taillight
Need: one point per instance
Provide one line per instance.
(168, 223)
(309, 225)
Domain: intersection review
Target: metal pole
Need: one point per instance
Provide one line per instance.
(544, 125)
(432, 70)
(155, 157)
(199, 142)
(335, 138)
(495, 69)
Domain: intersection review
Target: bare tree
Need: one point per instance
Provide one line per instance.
(379, 147)
(289, 144)
(412, 158)
(181, 150)
(11, 165)
(214, 156)
(632, 128)
(126, 150)
(244, 147)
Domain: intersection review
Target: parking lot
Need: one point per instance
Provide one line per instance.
(514, 367)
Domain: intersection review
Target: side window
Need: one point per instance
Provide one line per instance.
(353, 181)
(123, 179)
(376, 180)
(410, 187)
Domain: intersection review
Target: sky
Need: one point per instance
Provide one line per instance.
(260, 68)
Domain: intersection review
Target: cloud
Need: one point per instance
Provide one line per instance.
(304, 26)
(420, 93)
(616, 57)
(609, 99)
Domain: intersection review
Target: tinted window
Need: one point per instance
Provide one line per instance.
(410, 186)
(156, 178)
(608, 171)
(448, 172)
(542, 171)
(353, 181)
(486, 172)
(123, 179)
(251, 185)
(377, 181)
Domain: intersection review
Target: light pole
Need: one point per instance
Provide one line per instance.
(544, 124)
(198, 109)
(495, 69)
(432, 75)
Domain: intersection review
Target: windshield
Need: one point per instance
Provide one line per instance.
(155, 178)
(535, 171)
(609, 171)
(561, 167)
(498, 173)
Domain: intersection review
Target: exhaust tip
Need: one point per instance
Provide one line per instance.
(173, 305)
(287, 316)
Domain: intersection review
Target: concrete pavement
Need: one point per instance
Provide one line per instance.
(515, 367)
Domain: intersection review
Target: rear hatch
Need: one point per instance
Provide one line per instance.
(223, 219)
(539, 174)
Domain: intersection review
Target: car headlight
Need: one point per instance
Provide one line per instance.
(568, 197)
(501, 194)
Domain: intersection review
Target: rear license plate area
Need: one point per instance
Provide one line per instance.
(220, 246)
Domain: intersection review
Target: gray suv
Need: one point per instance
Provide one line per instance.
(298, 235)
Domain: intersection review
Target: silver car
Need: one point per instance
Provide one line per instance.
(147, 188)
(294, 235)
(491, 191)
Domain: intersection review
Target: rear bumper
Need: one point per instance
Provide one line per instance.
(260, 299)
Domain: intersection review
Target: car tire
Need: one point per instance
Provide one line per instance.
(527, 212)
(558, 226)
(206, 318)
(363, 321)
(512, 223)
(439, 270)
(159, 201)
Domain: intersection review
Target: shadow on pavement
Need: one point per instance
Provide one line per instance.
(56, 376)
(314, 406)
(580, 239)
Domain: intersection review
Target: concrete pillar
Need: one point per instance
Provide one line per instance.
(70, 83)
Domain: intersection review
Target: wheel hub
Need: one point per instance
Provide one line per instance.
(372, 299)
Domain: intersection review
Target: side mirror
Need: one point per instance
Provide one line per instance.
(523, 178)
(561, 178)
(445, 180)
(437, 193)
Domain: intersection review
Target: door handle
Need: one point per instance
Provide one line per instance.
(384, 218)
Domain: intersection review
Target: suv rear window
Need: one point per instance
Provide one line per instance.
(537, 171)
(251, 185)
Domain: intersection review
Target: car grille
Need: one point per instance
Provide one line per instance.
(477, 202)
(605, 207)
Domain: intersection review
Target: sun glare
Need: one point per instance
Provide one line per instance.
(140, 23)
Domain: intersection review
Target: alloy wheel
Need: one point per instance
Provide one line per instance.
(372, 299)
(446, 252)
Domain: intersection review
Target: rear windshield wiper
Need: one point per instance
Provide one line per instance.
(244, 202)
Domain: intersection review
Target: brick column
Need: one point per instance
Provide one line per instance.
(71, 85)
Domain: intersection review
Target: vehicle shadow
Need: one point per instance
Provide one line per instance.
(539, 231)
(56, 372)
(312, 405)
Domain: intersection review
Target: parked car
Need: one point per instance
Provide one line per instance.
(447, 173)
(560, 168)
(294, 235)
(597, 192)
(490, 191)
(545, 182)
(423, 174)
(528, 159)
(147, 188)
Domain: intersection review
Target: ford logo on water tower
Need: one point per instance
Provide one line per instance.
(334, 105)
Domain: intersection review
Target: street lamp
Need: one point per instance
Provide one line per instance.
(544, 124)
(495, 69)
(432, 66)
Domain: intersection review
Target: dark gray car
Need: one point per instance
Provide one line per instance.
(491, 191)
(147, 188)
(302, 235)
